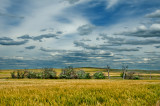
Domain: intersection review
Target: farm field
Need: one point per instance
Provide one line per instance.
(81, 92)
(38, 92)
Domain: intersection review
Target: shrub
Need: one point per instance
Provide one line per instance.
(22, 74)
(99, 75)
(48, 73)
(121, 75)
(136, 77)
(129, 75)
(39, 75)
(13, 74)
(31, 75)
(68, 73)
(87, 76)
(83, 75)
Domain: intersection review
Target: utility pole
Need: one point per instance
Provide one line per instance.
(108, 67)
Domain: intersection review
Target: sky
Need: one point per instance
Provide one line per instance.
(79, 33)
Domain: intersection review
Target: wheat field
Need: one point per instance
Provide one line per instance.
(38, 92)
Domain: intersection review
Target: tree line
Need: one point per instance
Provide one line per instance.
(69, 73)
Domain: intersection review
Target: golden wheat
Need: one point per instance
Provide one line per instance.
(35, 92)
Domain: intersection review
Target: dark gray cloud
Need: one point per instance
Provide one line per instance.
(46, 50)
(117, 41)
(151, 52)
(40, 37)
(153, 31)
(6, 39)
(30, 47)
(25, 37)
(97, 38)
(103, 47)
(125, 49)
(59, 32)
(106, 37)
(139, 47)
(135, 42)
(85, 29)
(42, 30)
(10, 15)
(72, 1)
(77, 53)
(90, 54)
(157, 46)
(12, 42)
(155, 14)
(47, 29)
(85, 40)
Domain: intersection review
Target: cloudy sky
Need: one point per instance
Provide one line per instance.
(81, 33)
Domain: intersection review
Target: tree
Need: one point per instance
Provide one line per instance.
(108, 68)
(150, 76)
(124, 68)
(68, 73)
(99, 75)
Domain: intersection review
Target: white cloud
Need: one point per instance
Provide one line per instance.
(42, 15)
(155, 27)
(155, 14)
(142, 27)
(111, 3)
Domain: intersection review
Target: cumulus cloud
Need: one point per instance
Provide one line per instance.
(109, 38)
(42, 30)
(69, 20)
(47, 29)
(155, 27)
(103, 47)
(117, 41)
(157, 46)
(25, 37)
(8, 41)
(5, 38)
(153, 31)
(30, 47)
(77, 55)
(12, 42)
(135, 42)
(155, 14)
(59, 32)
(46, 49)
(85, 40)
(40, 37)
(85, 29)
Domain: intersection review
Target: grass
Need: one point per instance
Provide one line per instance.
(34, 92)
